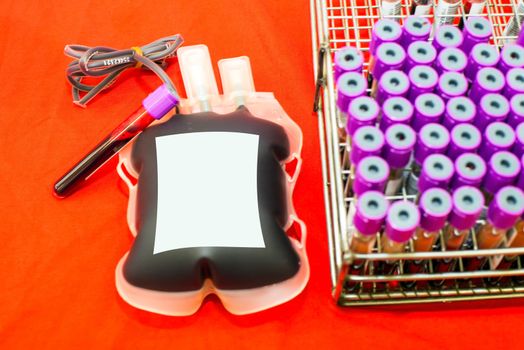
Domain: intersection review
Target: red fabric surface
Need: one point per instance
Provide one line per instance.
(57, 257)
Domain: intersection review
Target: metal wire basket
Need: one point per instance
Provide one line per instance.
(339, 23)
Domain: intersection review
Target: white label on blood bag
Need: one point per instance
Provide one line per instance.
(207, 191)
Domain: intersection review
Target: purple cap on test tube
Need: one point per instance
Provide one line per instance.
(400, 140)
(468, 203)
(476, 30)
(503, 169)
(488, 80)
(422, 80)
(435, 205)
(350, 85)
(498, 136)
(396, 110)
(492, 108)
(348, 59)
(371, 175)
(362, 111)
(447, 36)
(402, 219)
(371, 211)
(429, 108)
(392, 83)
(518, 147)
(464, 138)
(506, 207)
(452, 84)
(520, 38)
(483, 55)
(459, 110)
(514, 82)
(389, 56)
(516, 113)
(415, 29)
(420, 53)
(367, 141)
(437, 171)
(432, 138)
(384, 31)
(511, 56)
(520, 181)
(451, 59)
(470, 170)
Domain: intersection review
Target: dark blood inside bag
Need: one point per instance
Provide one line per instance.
(211, 204)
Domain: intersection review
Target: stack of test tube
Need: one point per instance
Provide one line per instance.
(434, 145)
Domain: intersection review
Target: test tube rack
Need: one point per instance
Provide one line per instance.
(339, 23)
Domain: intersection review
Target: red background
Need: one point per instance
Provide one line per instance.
(57, 257)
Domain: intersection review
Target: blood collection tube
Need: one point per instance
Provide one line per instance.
(350, 85)
(468, 203)
(402, 219)
(515, 23)
(470, 170)
(518, 147)
(514, 82)
(420, 53)
(415, 28)
(392, 83)
(503, 169)
(482, 55)
(367, 141)
(503, 212)
(459, 110)
(518, 238)
(396, 110)
(390, 56)
(511, 56)
(371, 175)
(400, 140)
(446, 11)
(432, 138)
(476, 30)
(369, 217)
(465, 138)
(516, 112)
(421, 7)
(467, 207)
(154, 107)
(384, 31)
(434, 206)
(429, 108)
(488, 80)
(422, 79)
(507, 261)
(492, 108)
(447, 36)
(452, 84)
(348, 59)
(391, 8)
(498, 136)
(451, 59)
(362, 111)
(437, 171)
